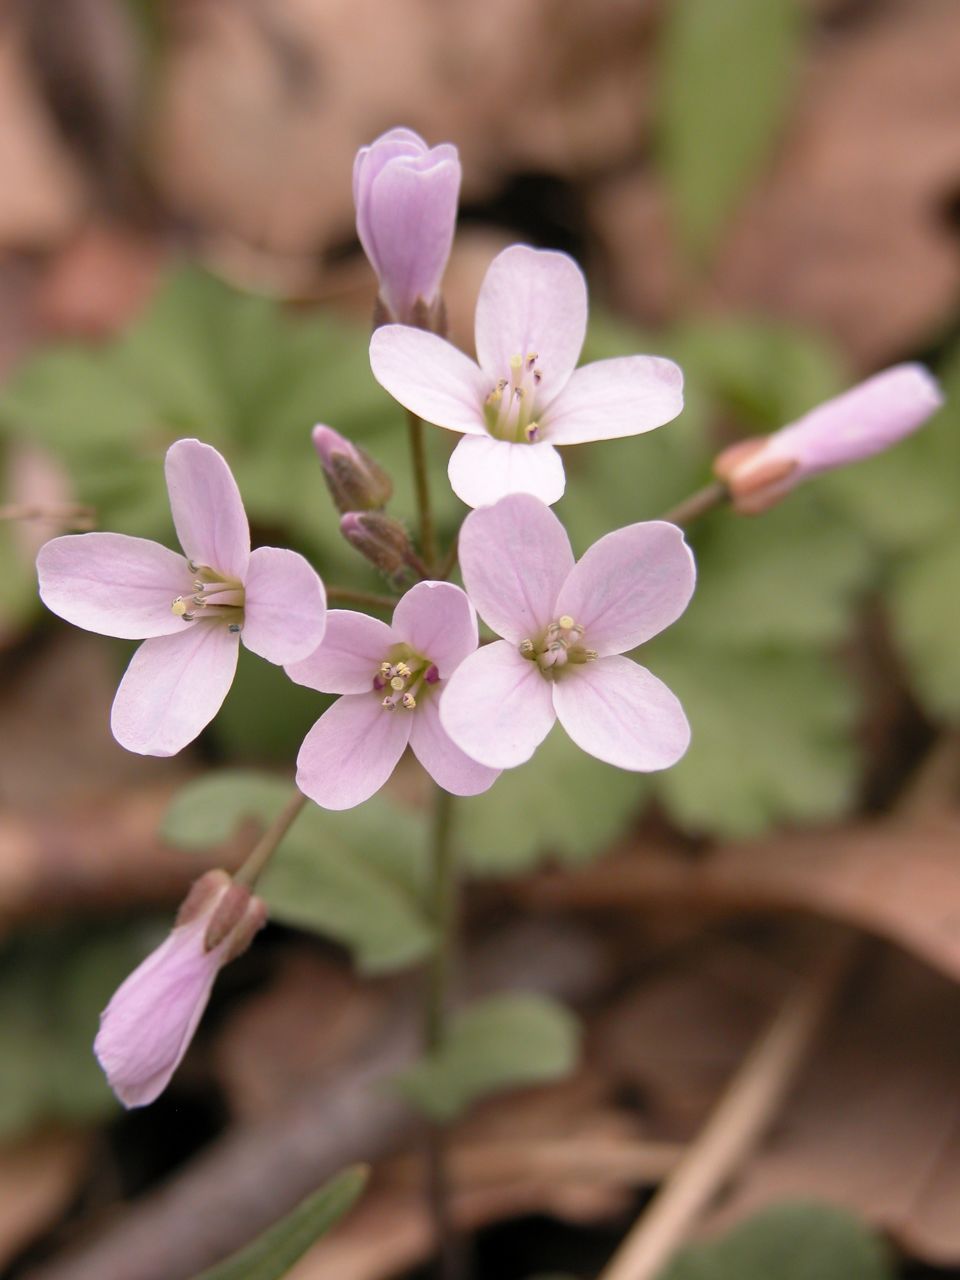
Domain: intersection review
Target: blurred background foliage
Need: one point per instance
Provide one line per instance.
(763, 190)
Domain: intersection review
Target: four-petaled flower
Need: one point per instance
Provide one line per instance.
(147, 1027)
(392, 678)
(564, 627)
(190, 610)
(406, 197)
(863, 421)
(525, 396)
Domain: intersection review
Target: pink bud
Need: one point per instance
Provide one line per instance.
(147, 1027)
(382, 540)
(355, 481)
(406, 197)
(864, 420)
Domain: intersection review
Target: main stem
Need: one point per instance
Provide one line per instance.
(418, 458)
(436, 1006)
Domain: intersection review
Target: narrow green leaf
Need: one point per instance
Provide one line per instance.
(791, 1242)
(274, 1253)
(727, 76)
(504, 1042)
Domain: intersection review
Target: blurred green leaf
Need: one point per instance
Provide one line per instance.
(772, 737)
(563, 803)
(52, 989)
(789, 1242)
(275, 1252)
(726, 82)
(924, 601)
(504, 1042)
(357, 877)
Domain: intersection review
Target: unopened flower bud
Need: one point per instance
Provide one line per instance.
(382, 540)
(355, 481)
(147, 1027)
(864, 420)
(406, 196)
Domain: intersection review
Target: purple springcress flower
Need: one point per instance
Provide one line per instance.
(355, 481)
(864, 420)
(190, 610)
(391, 678)
(147, 1027)
(406, 196)
(525, 396)
(564, 628)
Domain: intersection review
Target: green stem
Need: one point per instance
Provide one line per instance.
(346, 595)
(266, 846)
(436, 1006)
(418, 458)
(698, 504)
(449, 561)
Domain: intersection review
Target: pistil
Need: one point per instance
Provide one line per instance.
(510, 408)
(560, 645)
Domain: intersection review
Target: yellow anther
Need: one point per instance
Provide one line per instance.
(403, 670)
(179, 607)
(388, 704)
(566, 622)
(385, 670)
(409, 701)
(398, 683)
(526, 648)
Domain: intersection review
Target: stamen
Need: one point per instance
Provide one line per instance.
(234, 627)
(409, 701)
(526, 648)
(388, 704)
(179, 607)
(386, 670)
(403, 670)
(532, 432)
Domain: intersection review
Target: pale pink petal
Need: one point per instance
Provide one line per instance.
(207, 508)
(483, 470)
(286, 606)
(147, 1027)
(532, 302)
(515, 557)
(612, 398)
(351, 751)
(173, 688)
(354, 645)
(863, 421)
(618, 711)
(113, 584)
(446, 764)
(437, 619)
(430, 377)
(497, 706)
(629, 586)
(367, 165)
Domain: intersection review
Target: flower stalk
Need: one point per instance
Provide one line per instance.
(421, 481)
(261, 853)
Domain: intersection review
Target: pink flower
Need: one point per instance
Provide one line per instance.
(863, 421)
(565, 626)
(147, 1027)
(525, 396)
(391, 678)
(191, 610)
(406, 197)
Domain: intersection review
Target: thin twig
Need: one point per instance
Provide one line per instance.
(698, 504)
(738, 1121)
(346, 595)
(421, 481)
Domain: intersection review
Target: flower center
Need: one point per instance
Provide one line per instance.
(559, 648)
(510, 409)
(404, 676)
(215, 596)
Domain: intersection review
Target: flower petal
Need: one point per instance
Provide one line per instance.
(532, 302)
(286, 606)
(113, 584)
(353, 647)
(147, 1027)
(430, 377)
(515, 557)
(483, 470)
(621, 713)
(446, 764)
(438, 620)
(367, 165)
(173, 688)
(351, 751)
(629, 586)
(207, 508)
(613, 398)
(497, 706)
